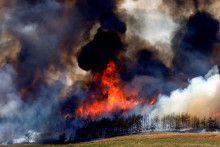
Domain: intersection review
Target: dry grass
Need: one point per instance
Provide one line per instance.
(157, 139)
(166, 135)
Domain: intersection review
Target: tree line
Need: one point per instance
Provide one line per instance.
(180, 121)
(109, 127)
(137, 123)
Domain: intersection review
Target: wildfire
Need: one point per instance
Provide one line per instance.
(116, 98)
(215, 114)
(153, 101)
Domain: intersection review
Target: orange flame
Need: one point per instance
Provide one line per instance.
(116, 99)
(215, 114)
(153, 101)
(154, 98)
(67, 115)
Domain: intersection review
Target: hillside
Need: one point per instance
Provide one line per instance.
(153, 139)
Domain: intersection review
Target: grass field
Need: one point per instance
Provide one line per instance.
(158, 139)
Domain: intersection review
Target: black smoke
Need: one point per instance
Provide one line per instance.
(61, 41)
(102, 12)
(103, 48)
(193, 45)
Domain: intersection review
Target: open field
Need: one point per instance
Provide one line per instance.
(163, 139)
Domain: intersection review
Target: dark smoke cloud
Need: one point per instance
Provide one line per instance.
(49, 33)
(104, 48)
(39, 41)
(39, 27)
(150, 65)
(193, 45)
(30, 2)
(102, 11)
(106, 43)
(59, 37)
(146, 64)
(186, 8)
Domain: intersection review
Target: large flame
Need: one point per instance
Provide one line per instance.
(116, 98)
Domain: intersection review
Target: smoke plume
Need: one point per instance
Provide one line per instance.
(65, 62)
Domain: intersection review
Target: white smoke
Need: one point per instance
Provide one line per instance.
(153, 25)
(199, 98)
(20, 121)
(9, 100)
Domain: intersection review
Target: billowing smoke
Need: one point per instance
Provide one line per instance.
(63, 62)
(199, 98)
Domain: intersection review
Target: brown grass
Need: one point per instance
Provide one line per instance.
(155, 139)
(165, 135)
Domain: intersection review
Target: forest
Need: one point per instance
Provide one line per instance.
(134, 124)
